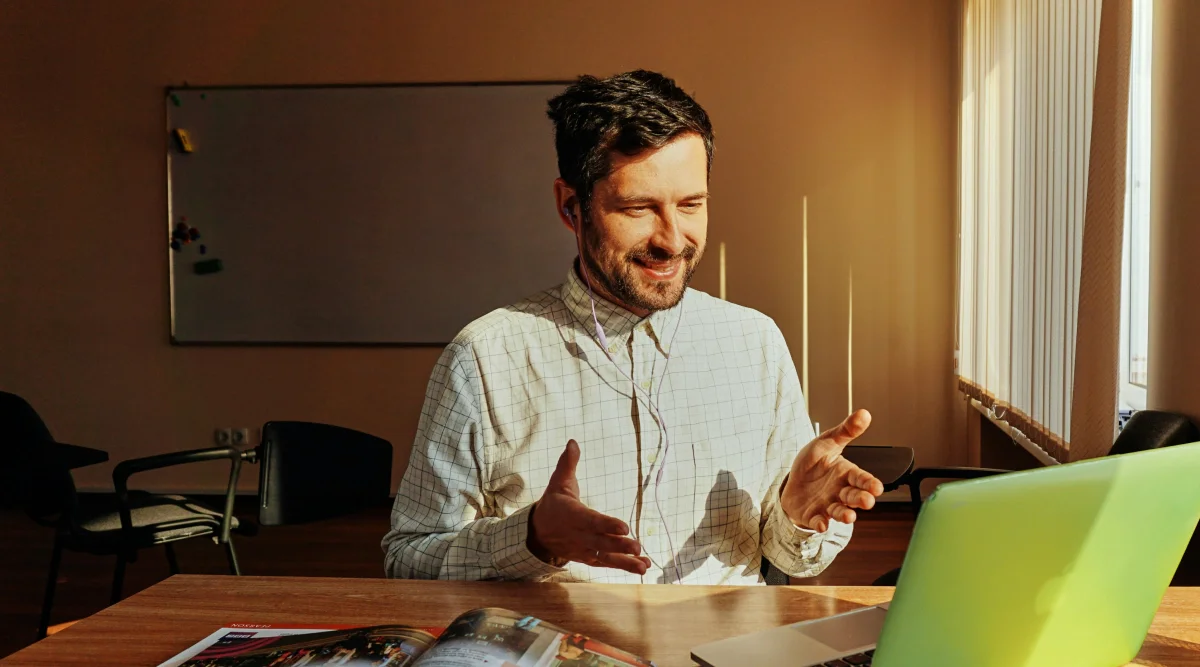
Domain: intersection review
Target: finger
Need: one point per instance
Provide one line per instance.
(853, 426)
(819, 523)
(839, 512)
(602, 524)
(612, 544)
(864, 480)
(622, 562)
(852, 497)
(564, 472)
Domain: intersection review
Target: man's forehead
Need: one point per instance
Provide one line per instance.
(679, 168)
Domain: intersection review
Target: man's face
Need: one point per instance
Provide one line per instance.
(647, 226)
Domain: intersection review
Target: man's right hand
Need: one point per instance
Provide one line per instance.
(562, 527)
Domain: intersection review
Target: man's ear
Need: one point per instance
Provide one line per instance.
(567, 204)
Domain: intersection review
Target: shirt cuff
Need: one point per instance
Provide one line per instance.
(511, 555)
(798, 533)
(800, 552)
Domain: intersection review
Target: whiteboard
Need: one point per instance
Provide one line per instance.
(360, 214)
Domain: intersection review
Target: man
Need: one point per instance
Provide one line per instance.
(621, 427)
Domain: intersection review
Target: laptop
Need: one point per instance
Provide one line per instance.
(1063, 566)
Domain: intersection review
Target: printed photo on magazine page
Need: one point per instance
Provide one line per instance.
(393, 646)
(502, 638)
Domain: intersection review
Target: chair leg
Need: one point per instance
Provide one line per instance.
(915, 489)
(118, 578)
(233, 561)
(172, 562)
(51, 584)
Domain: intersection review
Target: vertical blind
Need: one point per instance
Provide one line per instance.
(1028, 78)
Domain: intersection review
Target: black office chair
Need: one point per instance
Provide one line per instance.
(308, 472)
(313, 471)
(1145, 430)
(28, 450)
(39, 470)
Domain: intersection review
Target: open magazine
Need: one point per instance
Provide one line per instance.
(479, 638)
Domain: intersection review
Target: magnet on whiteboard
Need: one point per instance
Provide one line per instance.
(207, 266)
(184, 140)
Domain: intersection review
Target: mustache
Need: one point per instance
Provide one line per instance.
(656, 254)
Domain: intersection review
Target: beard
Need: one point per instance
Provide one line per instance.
(622, 278)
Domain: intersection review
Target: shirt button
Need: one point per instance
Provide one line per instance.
(652, 457)
(650, 530)
(613, 348)
(646, 385)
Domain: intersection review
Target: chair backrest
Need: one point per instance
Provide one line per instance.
(315, 471)
(1151, 429)
(26, 480)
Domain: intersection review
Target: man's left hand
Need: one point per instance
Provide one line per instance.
(823, 485)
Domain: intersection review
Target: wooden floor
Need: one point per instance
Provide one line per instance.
(344, 547)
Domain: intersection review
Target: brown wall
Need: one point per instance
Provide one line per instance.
(852, 103)
(1174, 373)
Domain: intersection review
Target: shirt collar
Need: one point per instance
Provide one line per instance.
(617, 322)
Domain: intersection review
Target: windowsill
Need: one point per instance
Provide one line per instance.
(1017, 437)
(1133, 397)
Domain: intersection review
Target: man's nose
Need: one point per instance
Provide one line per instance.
(667, 235)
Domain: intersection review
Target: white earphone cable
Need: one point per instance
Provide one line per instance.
(651, 403)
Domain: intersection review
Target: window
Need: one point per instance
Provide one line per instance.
(1028, 77)
(1135, 273)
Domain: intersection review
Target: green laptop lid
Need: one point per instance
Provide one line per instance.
(1064, 565)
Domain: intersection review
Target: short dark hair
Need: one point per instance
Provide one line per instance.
(628, 112)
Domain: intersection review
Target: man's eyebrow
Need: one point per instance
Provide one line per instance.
(632, 200)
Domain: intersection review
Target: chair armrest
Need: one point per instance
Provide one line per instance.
(125, 469)
(890, 465)
(914, 478)
(953, 472)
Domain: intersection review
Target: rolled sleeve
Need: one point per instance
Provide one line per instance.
(510, 552)
(799, 552)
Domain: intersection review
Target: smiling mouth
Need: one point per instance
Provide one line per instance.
(659, 270)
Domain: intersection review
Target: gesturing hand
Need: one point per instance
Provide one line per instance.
(563, 528)
(823, 485)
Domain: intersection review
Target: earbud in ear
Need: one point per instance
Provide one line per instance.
(567, 212)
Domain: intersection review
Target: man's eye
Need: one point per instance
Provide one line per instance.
(690, 206)
(637, 210)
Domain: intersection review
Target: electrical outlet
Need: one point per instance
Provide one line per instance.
(241, 436)
(223, 436)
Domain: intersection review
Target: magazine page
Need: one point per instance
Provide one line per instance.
(242, 634)
(379, 646)
(502, 638)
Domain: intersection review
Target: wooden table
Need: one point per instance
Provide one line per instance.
(660, 622)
